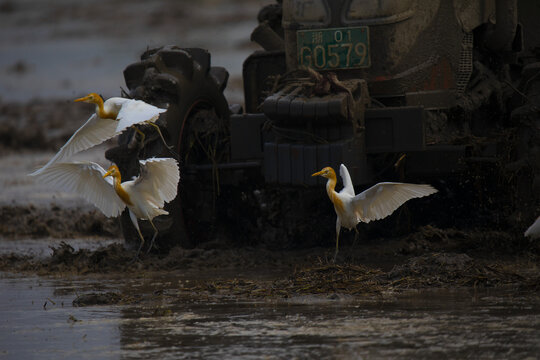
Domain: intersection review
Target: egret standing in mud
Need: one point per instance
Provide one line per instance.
(375, 203)
(111, 118)
(144, 196)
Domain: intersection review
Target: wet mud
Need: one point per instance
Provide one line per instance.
(379, 263)
(211, 299)
(39, 125)
(361, 271)
(20, 221)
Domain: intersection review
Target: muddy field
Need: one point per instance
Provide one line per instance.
(429, 254)
(53, 236)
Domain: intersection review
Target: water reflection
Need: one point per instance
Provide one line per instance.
(159, 324)
(451, 328)
(38, 321)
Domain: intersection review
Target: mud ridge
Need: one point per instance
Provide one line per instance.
(365, 270)
(20, 221)
(40, 124)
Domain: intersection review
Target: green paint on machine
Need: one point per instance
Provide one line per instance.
(338, 48)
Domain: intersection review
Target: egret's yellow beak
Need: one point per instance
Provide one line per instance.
(86, 98)
(108, 173)
(318, 173)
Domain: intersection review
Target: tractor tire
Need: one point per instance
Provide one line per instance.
(196, 126)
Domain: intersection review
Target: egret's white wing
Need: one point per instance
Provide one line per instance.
(158, 180)
(534, 230)
(86, 180)
(94, 131)
(136, 111)
(347, 182)
(384, 198)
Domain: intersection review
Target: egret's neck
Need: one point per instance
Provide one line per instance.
(102, 112)
(120, 191)
(332, 194)
(331, 185)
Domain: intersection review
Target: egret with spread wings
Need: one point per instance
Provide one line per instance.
(111, 118)
(375, 203)
(144, 196)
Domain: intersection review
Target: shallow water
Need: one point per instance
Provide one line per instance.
(39, 321)
(64, 49)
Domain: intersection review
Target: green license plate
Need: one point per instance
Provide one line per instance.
(340, 48)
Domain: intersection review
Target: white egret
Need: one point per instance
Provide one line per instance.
(111, 118)
(534, 230)
(144, 196)
(375, 203)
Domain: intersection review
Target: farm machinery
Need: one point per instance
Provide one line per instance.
(439, 91)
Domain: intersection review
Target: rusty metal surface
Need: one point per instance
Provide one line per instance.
(429, 34)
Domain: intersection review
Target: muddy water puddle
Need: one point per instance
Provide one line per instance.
(156, 320)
